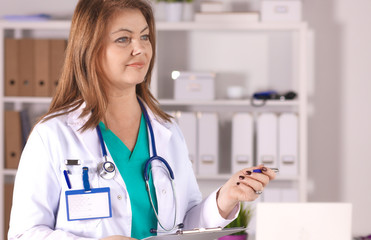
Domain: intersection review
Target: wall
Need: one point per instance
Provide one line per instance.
(339, 128)
(339, 124)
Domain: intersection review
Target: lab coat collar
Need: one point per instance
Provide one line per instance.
(161, 130)
(74, 119)
(89, 137)
(76, 122)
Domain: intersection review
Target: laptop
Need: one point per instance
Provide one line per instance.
(303, 221)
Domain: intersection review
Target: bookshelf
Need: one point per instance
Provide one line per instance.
(191, 37)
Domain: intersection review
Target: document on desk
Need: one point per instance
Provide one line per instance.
(198, 234)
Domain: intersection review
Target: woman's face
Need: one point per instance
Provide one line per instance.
(127, 51)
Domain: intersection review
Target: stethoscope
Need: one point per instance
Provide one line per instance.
(108, 169)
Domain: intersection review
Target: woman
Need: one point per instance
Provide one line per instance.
(103, 104)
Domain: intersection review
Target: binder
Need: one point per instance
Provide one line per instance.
(242, 141)
(26, 66)
(57, 50)
(11, 67)
(13, 139)
(288, 144)
(8, 197)
(208, 137)
(41, 67)
(187, 122)
(267, 139)
(25, 126)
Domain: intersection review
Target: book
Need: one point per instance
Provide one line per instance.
(57, 51)
(26, 66)
(13, 139)
(227, 17)
(41, 67)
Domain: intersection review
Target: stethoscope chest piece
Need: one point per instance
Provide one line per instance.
(107, 170)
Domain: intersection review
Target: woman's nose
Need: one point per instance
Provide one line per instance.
(138, 47)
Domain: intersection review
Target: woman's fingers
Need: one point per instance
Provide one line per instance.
(254, 180)
(245, 185)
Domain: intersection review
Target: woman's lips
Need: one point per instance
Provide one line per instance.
(136, 65)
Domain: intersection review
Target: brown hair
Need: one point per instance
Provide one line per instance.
(81, 77)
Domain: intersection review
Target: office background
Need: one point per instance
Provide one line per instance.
(339, 145)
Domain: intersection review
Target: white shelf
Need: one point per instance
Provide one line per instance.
(10, 172)
(41, 25)
(255, 26)
(163, 26)
(27, 99)
(218, 177)
(172, 102)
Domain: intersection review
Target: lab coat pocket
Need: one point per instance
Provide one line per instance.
(74, 176)
(88, 227)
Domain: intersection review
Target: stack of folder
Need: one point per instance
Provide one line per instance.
(33, 66)
(270, 139)
(201, 133)
(277, 142)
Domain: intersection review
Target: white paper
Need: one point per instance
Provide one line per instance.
(202, 235)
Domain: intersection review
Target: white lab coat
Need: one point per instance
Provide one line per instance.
(39, 205)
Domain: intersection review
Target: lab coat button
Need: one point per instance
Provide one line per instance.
(163, 191)
(119, 197)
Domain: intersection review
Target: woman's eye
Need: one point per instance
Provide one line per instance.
(123, 40)
(145, 37)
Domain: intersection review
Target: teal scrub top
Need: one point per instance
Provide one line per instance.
(130, 166)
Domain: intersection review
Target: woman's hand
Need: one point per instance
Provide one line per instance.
(118, 237)
(245, 185)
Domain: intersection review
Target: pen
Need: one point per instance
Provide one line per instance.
(276, 170)
(65, 172)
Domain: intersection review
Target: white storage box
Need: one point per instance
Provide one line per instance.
(212, 6)
(193, 86)
(281, 11)
(227, 17)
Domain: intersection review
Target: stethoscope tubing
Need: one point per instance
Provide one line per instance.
(146, 166)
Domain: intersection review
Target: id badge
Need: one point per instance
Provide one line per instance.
(93, 204)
